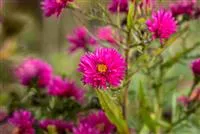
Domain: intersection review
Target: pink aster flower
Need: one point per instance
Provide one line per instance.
(65, 88)
(24, 122)
(118, 5)
(34, 72)
(102, 68)
(162, 25)
(80, 39)
(51, 7)
(85, 128)
(99, 121)
(196, 67)
(107, 34)
(183, 7)
(61, 125)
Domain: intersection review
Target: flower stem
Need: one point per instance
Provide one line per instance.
(185, 117)
(193, 86)
(127, 51)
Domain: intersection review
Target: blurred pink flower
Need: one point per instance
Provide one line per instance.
(51, 7)
(102, 68)
(118, 5)
(24, 122)
(195, 95)
(84, 128)
(107, 34)
(99, 121)
(183, 7)
(197, 13)
(61, 125)
(184, 100)
(162, 25)
(196, 67)
(80, 39)
(34, 72)
(65, 88)
(148, 3)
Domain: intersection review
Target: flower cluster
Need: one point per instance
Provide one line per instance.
(183, 7)
(65, 88)
(34, 72)
(85, 129)
(102, 68)
(105, 68)
(51, 7)
(162, 25)
(61, 125)
(80, 39)
(23, 121)
(95, 123)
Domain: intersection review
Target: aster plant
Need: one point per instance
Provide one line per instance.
(125, 66)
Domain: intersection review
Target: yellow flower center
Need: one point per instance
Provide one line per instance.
(102, 68)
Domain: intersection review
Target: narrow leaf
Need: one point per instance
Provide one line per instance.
(112, 111)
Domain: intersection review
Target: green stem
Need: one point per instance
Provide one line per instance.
(159, 97)
(185, 117)
(193, 86)
(127, 51)
(90, 16)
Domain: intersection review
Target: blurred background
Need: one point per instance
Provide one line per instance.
(26, 32)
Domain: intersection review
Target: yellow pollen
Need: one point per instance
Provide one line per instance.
(102, 68)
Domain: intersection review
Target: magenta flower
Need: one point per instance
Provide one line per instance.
(34, 72)
(118, 5)
(85, 129)
(196, 67)
(162, 25)
(183, 7)
(65, 88)
(61, 125)
(102, 68)
(80, 39)
(24, 122)
(51, 7)
(107, 34)
(99, 121)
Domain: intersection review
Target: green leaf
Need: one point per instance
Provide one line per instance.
(174, 97)
(170, 41)
(113, 111)
(130, 18)
(144, 109)
(144, 130)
